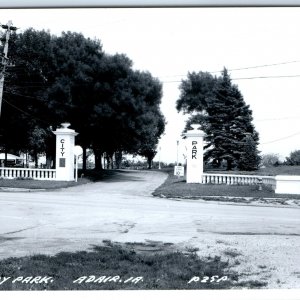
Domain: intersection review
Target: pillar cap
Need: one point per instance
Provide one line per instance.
(65, 130)
(195, 132)
(65, 125)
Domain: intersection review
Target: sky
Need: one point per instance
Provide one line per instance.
(170, 42)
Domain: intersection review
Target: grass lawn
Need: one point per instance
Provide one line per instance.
(88, 176)
(39, 184)
(117, 266)
(175, 187)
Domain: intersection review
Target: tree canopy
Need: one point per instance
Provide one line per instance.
(294, 158)
(218, 105)
(70, 78)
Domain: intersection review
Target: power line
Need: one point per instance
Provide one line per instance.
(280, 139)
(235, 69)
(17, 108)
(266, 77)
(263, 66)
(26, 113)
(26, 96)
(243, 68)
(172, 81)
(47, 85)
(32, 86)
(248, 78)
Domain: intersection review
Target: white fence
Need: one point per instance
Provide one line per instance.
(38, 174)
(231, 179)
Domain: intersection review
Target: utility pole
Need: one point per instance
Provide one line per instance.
(177, 154)
(4, 61)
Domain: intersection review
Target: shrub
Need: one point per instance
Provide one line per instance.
(294, 158)
(270, 159)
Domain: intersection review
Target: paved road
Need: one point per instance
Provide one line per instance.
(123, 210)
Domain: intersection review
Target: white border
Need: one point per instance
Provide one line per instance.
(268, 294)
(144, 3)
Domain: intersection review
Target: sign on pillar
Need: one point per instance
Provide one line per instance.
(65, 143)
(194, 139)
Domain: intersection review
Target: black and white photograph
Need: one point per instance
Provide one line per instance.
(150, 149)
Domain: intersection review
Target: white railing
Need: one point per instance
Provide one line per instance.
(38, 174)
(232, 179)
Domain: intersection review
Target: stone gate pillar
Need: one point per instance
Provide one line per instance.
(65, 143)
(194, 168)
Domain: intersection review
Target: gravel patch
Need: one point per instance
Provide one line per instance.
(268, 258)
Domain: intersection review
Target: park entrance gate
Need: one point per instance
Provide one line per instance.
(64, 168)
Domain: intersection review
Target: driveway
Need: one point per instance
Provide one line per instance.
(261, 242)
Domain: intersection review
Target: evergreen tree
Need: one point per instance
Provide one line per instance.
(219, 107)
(249, 159)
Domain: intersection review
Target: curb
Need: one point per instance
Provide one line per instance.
(255, 201)
(9, 189)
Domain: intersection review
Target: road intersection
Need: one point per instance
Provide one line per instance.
(263, 242)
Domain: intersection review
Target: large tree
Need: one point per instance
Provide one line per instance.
(69, 78)
(25, 83)
(130, 107)
(150, 135)
(71, 96)
(149, 120)
(51, 82)
(219, 107)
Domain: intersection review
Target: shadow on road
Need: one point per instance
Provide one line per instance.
(113, 175)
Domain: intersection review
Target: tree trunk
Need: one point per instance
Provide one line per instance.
(48, 161)
(5, 157)
(118, 156)
(84, 158)
(26, 165)
(216, 163)
(35, 159)
(229, 164)
(54, 161)
(98, 162)
(109, 161)
(149, 160)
